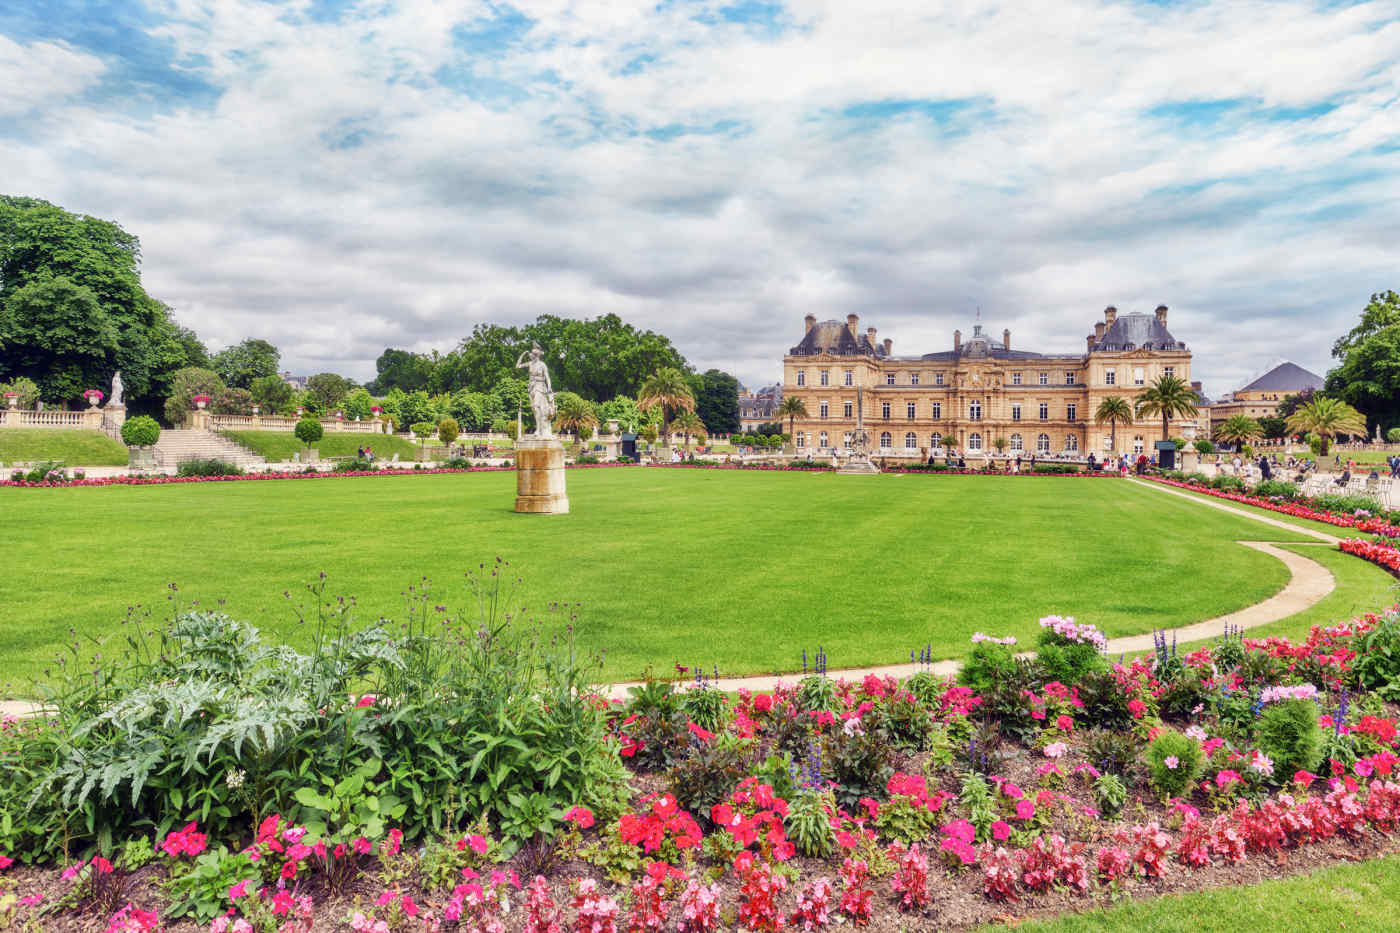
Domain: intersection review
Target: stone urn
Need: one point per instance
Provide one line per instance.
(200, 405)
(12, 399)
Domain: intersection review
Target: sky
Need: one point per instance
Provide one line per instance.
(341, 176)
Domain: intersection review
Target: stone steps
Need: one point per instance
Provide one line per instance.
(179, 444)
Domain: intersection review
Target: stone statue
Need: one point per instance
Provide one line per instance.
(541, 392)
(116, 400)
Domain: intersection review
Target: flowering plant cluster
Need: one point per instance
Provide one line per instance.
(1071, 631)
(1361, 522)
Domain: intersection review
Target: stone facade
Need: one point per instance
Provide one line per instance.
(981, 390)
(761, 407)
(1260, 398)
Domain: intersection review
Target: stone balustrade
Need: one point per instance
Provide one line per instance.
(29, 418)
(208, 421)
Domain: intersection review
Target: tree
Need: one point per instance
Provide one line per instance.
(328, 389)
(56, 333)
(27, 390)
(271, 394)
(1327, 417)
(574, 414)
(244, 362)
(667, 390)
(416, 408)
(1293, 402)
(1273, 427)
(400, 369)
(358, 405)
(1393, 435)
(1113, 411)
(688, 423)
(1368, 377)
(1238, 430)
(622, 409)
(186, 384)
(473, 410)
(309, 431)
(232, 401)
(511, 395)
(1167, 397)
(447, 431)
(1204, 447)
(648, 433)
(423, 430)
(717, 400)
(792, 408)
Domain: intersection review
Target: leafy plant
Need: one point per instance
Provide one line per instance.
(141, 431)
(816, 693)
(1110, 792)
(705, 706)
(1111, 751)
(709, 774)
(1377, 664)
(1173, 762)
(988, 664)
(201, 889)
(309, 430)
(808, 826)
(861, 763)
(1289, 734)
(211, 466)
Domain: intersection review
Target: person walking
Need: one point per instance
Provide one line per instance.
(1266, 472)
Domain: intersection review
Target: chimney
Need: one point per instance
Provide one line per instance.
(1196, 387)
(811, 321)
(1162, 315)
(1090, 344)
(1099, 328)
(870, 335)
(888, 344)
(1006, 339)
(853, 322)
(1110, 314)
(957, 340)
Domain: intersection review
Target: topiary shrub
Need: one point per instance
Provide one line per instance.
(447, 430)
(309, 431)
(1289, 734)
(1393, 435)
(1227, 483)
(141, 431)
(1173, 762)
(991, 661)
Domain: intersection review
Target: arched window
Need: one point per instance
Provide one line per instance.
(885, 440)
(935, 439)
(1016, 442)
(801, 439)
(1071, 443)
(1042, 443)
(974, 441)
(911, 440)
(821, 438)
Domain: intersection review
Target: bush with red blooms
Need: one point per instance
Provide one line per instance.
(759, 891)
(855, 891)
(910, 881)
(662, 828)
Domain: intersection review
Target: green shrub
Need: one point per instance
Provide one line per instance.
(1289, 734)
(1056, 468)
(807, 825)
(705, 706)
(1227, 483)
(309, 431)
(1377, 664)
(141, 431)
(1347, 505)
(210, 467)
(1065, 659)
(27, 390)
(457, 463)
(1277, 489)
(46, 472)
(1110, 793)
(1393, 435)
(447, 430)
(1173, 762)
(987, 664)
(354, 465)
(1112, 751)
(861, 763)
(816, 693)
(1204, 447)
(709, 774)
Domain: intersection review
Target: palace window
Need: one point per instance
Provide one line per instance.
(1069, 379)
(974, 410)
(935, 439)
(909, 410)
(846, 439)
(885, 410)
(974, 441)
(1016, 442)
(1071, 443)
(850, 377)
(845, 409)
(823, 410)
(1015, 379)
(937, 411)
(1042, 443)
(825, 377)
(801, 439)
(802, 377)
(1110, 376)
(1139, 377)
(1137, 446)
(885, 440)
(1070, 411)
(913, 379)
(889, 379)
(822, 439)
(938, 379)
(1169, 371)
(911, 441)
(1044, 411)
(1108, 442)
(1045, 379)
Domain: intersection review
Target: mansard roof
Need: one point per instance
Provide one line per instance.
(835, 338)
(1137, 332)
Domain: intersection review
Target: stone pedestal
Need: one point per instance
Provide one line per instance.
(858, 465)
(141, 459)
(539, 477)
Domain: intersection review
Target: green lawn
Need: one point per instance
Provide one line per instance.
(1361, 896)
(1337, 531)
(280, 445)
(74, 448)
(737, 569)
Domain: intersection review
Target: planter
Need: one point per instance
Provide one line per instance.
(313, 455)
(200, 405)
(141, 458)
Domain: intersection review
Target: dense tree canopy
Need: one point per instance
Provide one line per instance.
(1368, 377)
(79, 275)
(244, 363)
(716, 401)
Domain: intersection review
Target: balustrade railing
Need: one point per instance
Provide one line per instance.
(26, 418)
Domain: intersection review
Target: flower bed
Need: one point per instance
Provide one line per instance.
(923, 803)
(1367, 524)
(246, 477)
(1382, 554)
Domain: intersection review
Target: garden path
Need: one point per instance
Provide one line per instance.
(1309, 584)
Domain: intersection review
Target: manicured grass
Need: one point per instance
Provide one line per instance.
(281, 445)
(737, 569)
(1359, 896)
(74, 448)
(1337, 531)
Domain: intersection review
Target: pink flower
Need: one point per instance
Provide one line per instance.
(5, 862)
(479, 846)
(1064, 723)
(1171, 761)
(1056, 750)
(1137, 708)
(1227, 777)
(1304, 777)
(1013, 791)
(1025, 809)
(238, 890)
(582, 817)
(1001, 830)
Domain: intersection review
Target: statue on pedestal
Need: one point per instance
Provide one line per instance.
(541, 392)
(116, 398)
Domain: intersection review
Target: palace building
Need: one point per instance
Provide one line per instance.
(981, 396)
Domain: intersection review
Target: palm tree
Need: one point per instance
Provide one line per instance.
(791, 408)
(1238, 429)
(1112, 411)
(688, 423)
(1326, 417)
(574, 414)
(1169, 397)
(668, 389)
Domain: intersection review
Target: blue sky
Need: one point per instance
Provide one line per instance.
(343, 175)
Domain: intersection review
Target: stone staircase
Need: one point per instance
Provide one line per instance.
(179, 444)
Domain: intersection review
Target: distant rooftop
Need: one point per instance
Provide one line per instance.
(1285, 377)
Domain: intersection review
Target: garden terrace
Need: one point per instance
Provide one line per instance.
(73, 447)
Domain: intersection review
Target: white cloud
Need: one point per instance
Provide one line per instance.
(34, 77)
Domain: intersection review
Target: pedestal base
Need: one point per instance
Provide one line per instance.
(539, 477)
(858, 466)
